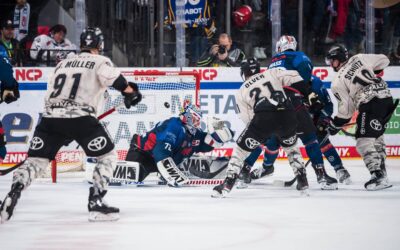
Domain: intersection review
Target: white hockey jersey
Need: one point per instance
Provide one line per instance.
(45, 42)
(258, 87)
(356, 83)
(77, 86)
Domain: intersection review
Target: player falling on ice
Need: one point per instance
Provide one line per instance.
(71, 101)
(263, 105)
(171, 141)
(288, 58)
(356, 87)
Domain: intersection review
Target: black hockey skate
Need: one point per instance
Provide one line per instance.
(326, 182)
(223, 189)
(9, 203)
(245, 174)
(343, 176)
(378, 181)
(301, 178)
(258, 173)
(99, 209)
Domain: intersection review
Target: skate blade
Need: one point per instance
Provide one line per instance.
(217, 194)
(329, 187)
(379, 187)
(241, 185)
(347, 181)
(100, 217)
(304, 193)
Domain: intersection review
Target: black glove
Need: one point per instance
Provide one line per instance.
(315, 104)
(132, 99)
(332, 129)
(9, 95)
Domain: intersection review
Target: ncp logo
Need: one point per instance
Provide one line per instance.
(207, 74)
(28, 74)
(321, 73)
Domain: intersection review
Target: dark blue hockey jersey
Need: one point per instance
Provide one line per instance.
(293, 60)
(317, 87)
(171, 139)
(6, 73)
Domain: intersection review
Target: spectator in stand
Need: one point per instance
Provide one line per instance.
(391, 34)
(21, 19)
(52, 47)
(223, 54)
(9, 44)
(340, 9)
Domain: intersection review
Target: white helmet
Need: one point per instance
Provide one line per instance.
(285, 43)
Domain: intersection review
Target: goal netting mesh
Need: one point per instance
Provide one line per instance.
(163, 95)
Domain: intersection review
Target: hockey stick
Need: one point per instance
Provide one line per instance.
(10, 169)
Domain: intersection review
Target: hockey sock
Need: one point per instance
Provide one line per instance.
(312, 148)
(252, 158)
(330, 153)
(271, 151)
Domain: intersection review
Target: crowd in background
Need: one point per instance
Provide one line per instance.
(324, 22)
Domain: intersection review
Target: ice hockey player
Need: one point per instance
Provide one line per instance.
(71, 102)
(356, 87)
(171, 141)
(263, 105)
(288, 58)
(8, 93)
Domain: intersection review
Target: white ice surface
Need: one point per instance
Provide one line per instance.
(54, 216)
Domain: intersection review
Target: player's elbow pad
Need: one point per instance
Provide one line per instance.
(120, 83)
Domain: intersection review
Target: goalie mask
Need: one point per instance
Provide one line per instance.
(92, 38)
(191, 116)
(286, 43)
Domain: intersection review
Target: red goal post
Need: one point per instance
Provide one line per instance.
(158, 83)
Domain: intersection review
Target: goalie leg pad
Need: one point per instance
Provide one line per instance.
(171, 172)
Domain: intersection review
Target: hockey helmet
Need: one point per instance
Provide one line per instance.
(242, 16)
(191, 116)
(92, 38)
(249, 67)
(286, 42)
(336, 52)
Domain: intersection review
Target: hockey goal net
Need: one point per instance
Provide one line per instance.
(163, 94)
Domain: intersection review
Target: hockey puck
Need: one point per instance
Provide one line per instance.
(166, 104)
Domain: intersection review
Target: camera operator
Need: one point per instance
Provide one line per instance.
(223, 54)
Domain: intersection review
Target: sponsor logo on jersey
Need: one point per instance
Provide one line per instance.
(36, 143)
(376, 125)
(97, 143)
(290, 141)
(251, 143)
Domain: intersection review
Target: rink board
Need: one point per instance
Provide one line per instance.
(217, 98)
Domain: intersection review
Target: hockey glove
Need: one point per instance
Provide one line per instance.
(9, 95)
(315, 105)
(132, 99)
(332, 129)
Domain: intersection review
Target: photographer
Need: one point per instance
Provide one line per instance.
(223, 54)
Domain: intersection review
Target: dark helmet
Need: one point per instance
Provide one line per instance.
(338, 52)
(249, 67)
(92, 38)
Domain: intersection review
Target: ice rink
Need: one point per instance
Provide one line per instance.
(54, 216)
